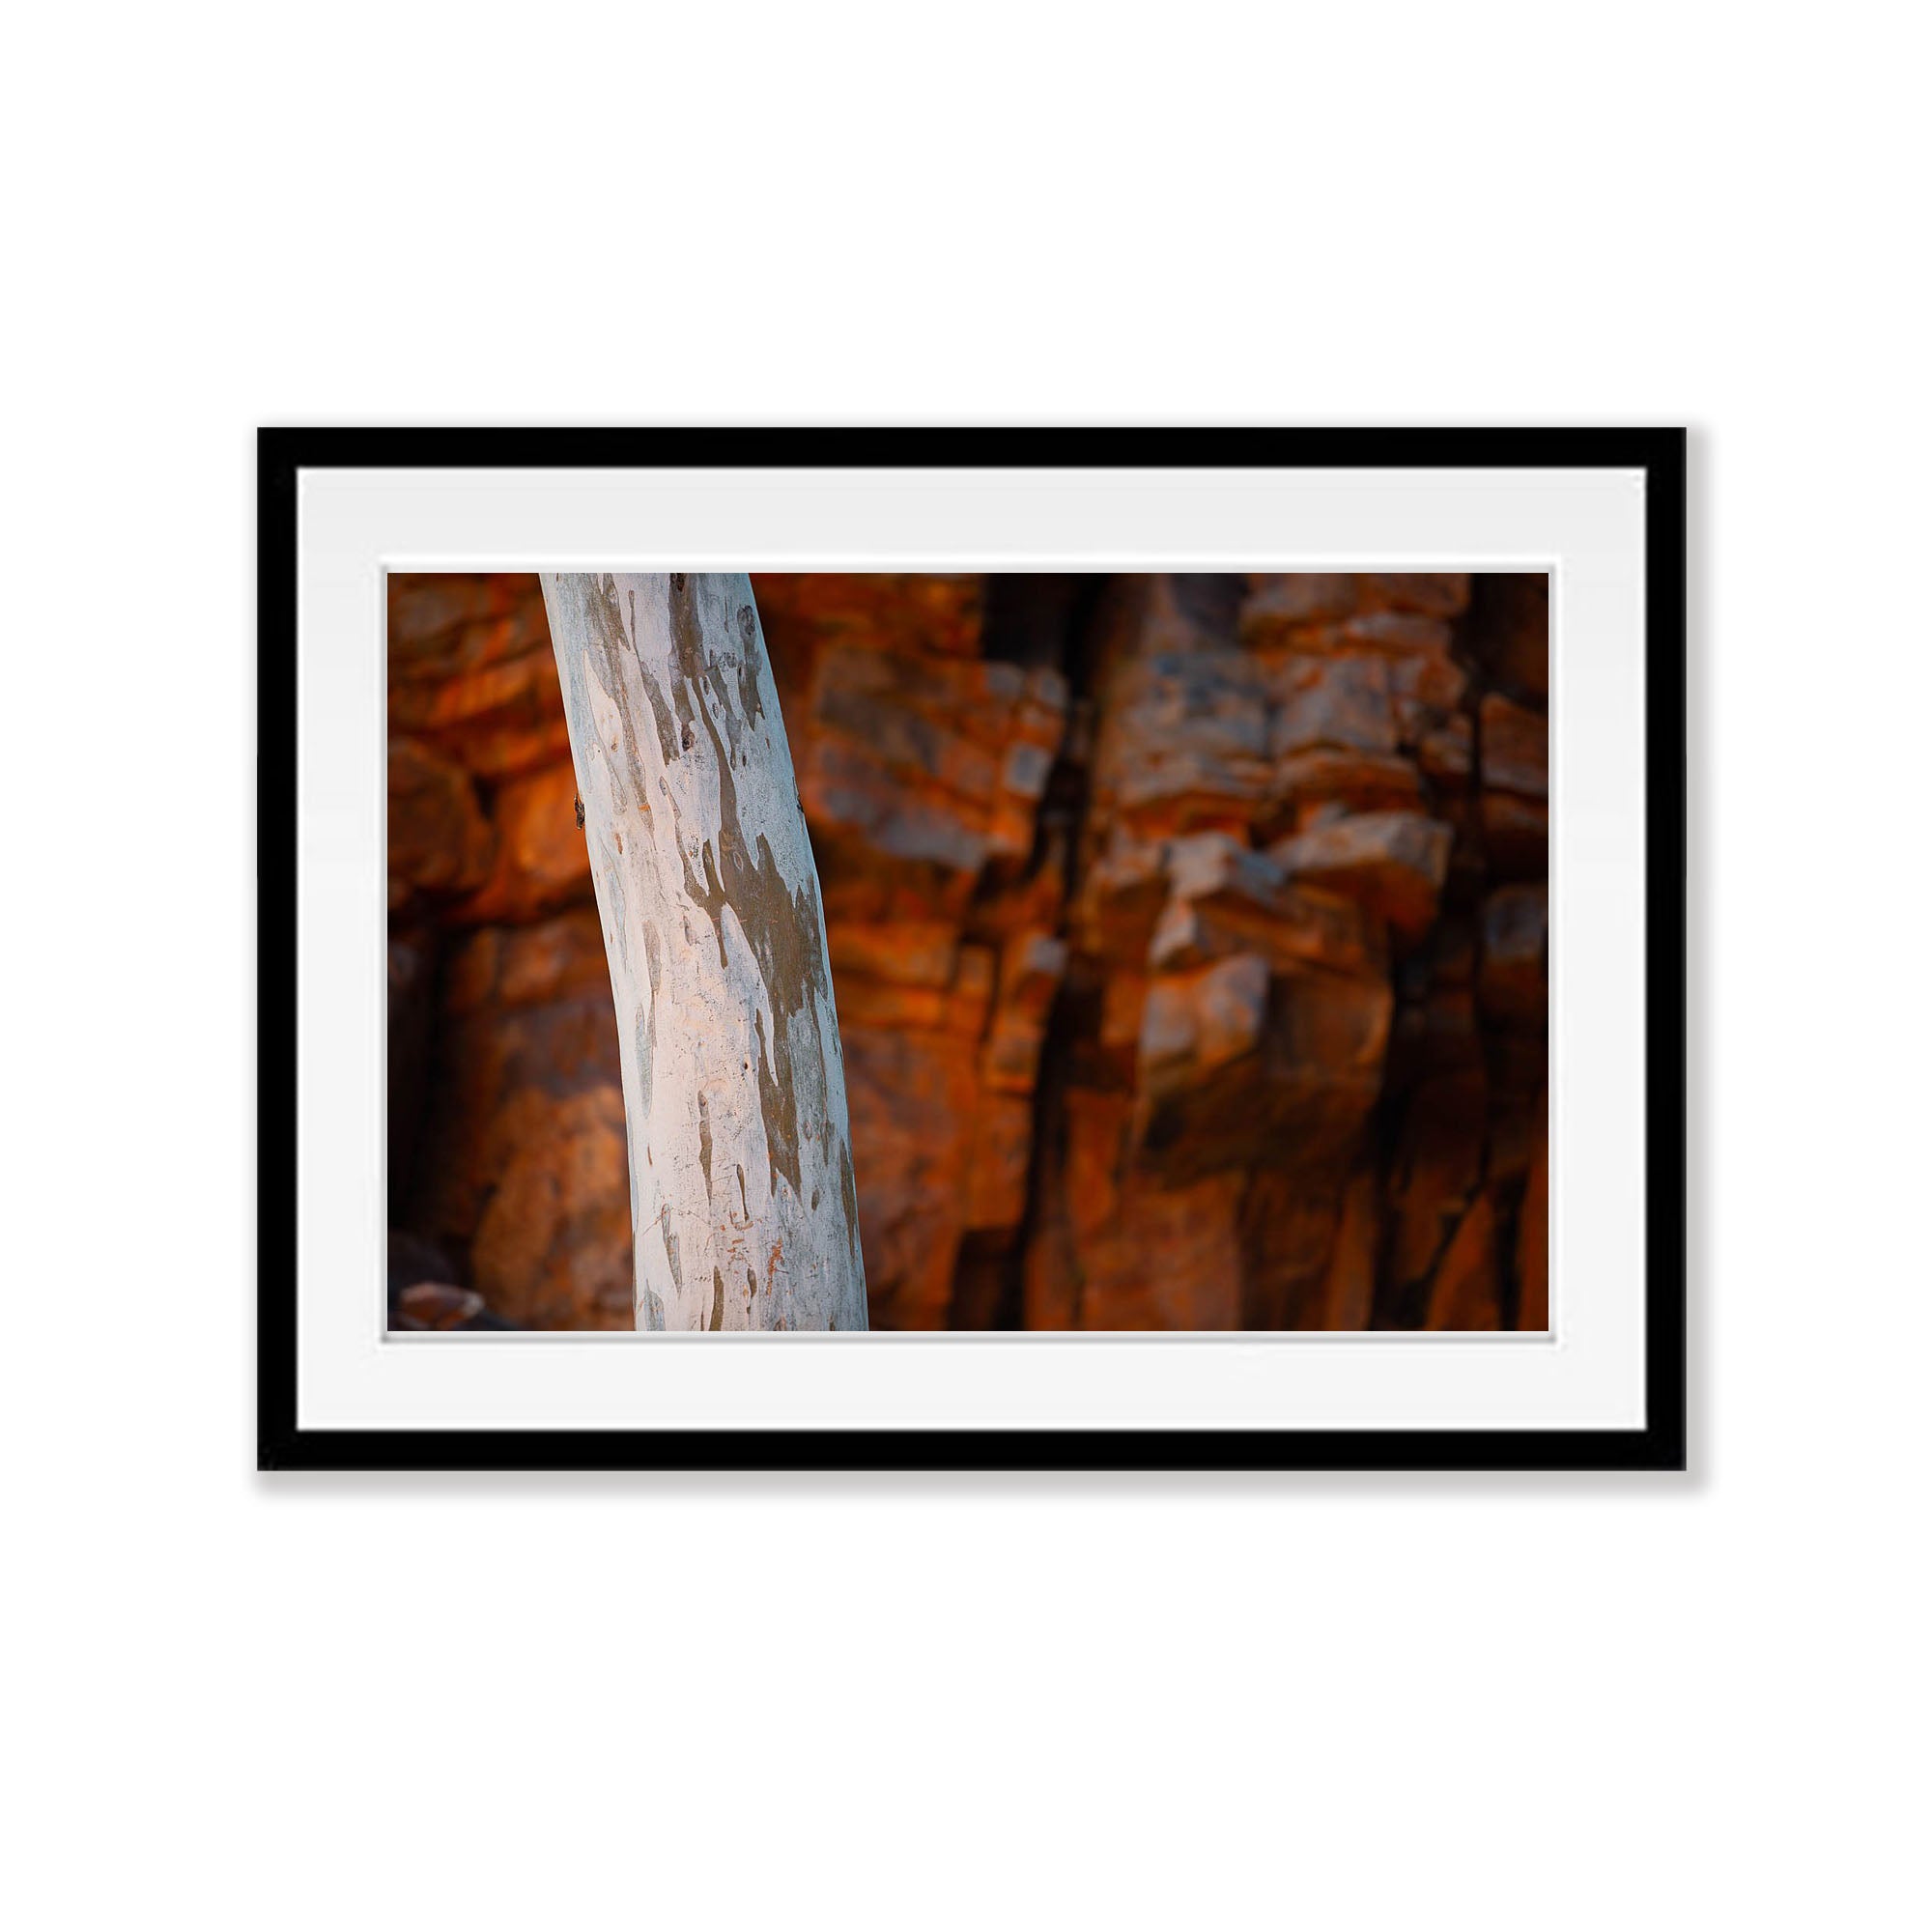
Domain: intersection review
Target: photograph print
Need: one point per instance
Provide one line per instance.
(972, 952)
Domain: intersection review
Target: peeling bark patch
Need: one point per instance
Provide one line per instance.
(670, 1247)
(663, 719)
(777, 1102)
(785, 926)
(851, 1197)
(643, 1046)
(611, 634)
(750, 699)
(717, 1301)
(714, 903)
(704, 1140)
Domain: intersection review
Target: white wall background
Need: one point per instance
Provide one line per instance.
(1333, 1703)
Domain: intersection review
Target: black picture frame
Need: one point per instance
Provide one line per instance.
(1658, 1444)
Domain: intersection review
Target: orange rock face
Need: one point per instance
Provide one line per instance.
(522, 1169)
(1188, 938)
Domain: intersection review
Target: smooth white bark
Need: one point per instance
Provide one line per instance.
(744, 1212)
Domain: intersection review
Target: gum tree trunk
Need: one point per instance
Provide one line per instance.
(742, 1208)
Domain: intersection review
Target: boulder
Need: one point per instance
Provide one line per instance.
(471, 672)
(1223, 898)
(541, 864)
(1195, 1023)
(1426, 697)
(1340, 702)
(1515, 748)
(1392, 864)
(413, 1259)
(1277, 611)
(1221, 1085)
(1306, 783)
(919, 772)
(1183, 743)
(1121, 898)
(442, 1305)
(443, 626)
(1398, 634)
(1447, 752)
(441, 843)
(1312, 610)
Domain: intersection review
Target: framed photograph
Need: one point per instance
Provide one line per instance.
(972, 949)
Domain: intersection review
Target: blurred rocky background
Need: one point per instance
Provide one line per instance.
(1188, 936)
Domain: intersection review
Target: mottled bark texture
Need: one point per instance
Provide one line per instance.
(744, 1212)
